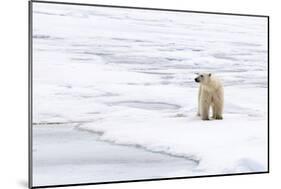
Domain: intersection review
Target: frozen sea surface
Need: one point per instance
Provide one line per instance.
(129, 75)
(64, 154)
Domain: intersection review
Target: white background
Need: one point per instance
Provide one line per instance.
(14, 85)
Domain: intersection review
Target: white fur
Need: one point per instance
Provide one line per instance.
(211, 95)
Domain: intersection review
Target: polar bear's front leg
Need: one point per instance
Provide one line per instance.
(214, 111)
(205, 109)
(205, 102)
(199, 97)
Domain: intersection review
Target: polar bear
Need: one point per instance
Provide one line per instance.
(210, 95)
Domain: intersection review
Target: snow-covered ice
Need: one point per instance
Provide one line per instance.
(129, 75)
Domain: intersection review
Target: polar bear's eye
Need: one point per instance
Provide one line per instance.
(201, 75)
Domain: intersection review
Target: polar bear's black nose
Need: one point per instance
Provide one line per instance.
(196, 80)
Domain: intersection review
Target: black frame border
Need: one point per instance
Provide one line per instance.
(30, 93)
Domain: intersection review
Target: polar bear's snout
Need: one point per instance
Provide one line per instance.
(198, 79)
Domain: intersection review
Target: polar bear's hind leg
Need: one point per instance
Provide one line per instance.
(218, 114)
(218, 106)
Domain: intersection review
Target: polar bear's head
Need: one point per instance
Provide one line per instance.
(203, 78)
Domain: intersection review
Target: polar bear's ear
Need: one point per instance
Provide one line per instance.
(210, 74)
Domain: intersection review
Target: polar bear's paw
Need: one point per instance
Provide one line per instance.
(205, 118)
(219, 117)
